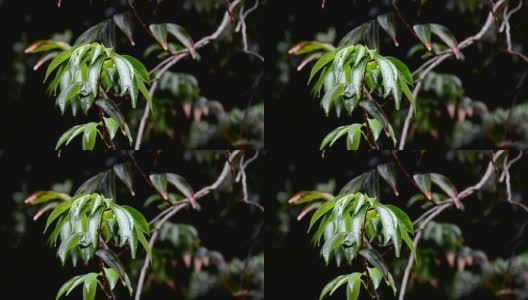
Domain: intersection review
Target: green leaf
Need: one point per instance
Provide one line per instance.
(330, 244)
(94, 220)
(403, 218)
(160, 33)
(388, 23)
(424, 183)
(111, 126)
(389, 77)
(181, 185)
(125, 73)
(69, 285)
(124, 173)
(375, 259)
(144, 243)
(330, 97)
(138, 66)
(124, 23)
(125, 227)
(375, 276)
(90, 286)
(182, 36)
(446, 185)
(407, 92)
(67, 244)
(110, 108)
(66, 94)
(388, 173)
(332, 284)
(94, 72)
(423, 31)
(353, 286)
(403, 71)
(354, 36)
(139, 219)
(90, 135)
(354, 136)
(408, 242)
(373, 109)
(143, 89)
(390, 227)
(321, 62)
(375, 127)
(112, 276)
(446, 36)
(57, 212)
(160, 183)
(392, 284)
(322, 210)
(57, 61)
(333, 136)
(356, 228)
(111, 259)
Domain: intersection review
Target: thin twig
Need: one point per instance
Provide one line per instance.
(442, 56)
(165, 215)
(173, 60)
(436, 210)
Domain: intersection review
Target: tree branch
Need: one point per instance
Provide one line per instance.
(436, 210)
(165, 215)
(169, 62)
(442, 56)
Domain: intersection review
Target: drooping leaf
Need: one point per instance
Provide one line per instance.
(375, 127)
(111, 259)
(333, 136)
(373, 257)
(57, 212)
(446, 185)
(182, 36)
(160, 183)
(67, 244)
(388, 173)
(424, 183)
(353, 286)
(375, 276)
(160, 33)
(423, 31)
(111, 126)
(71, 91)
(90, 286)
(181, 185)
(322, 210)
(388, 23)
(90, 135)
(69, 285)
(125, 74)
(124, 23)
(446, 36)
(124, 173)
(126, 232)
(112, 276)
(403, 218)
(338, 281)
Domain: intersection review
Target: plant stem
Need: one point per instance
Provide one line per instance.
(107, 289)
(370, 285)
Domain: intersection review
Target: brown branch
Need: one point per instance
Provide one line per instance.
(165, 215)
(169, 62)
(442, 56)
(436, 210)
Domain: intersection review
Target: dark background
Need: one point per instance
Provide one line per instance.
(489, 74)
(488, 222)
(31, 268)
(30, 118)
